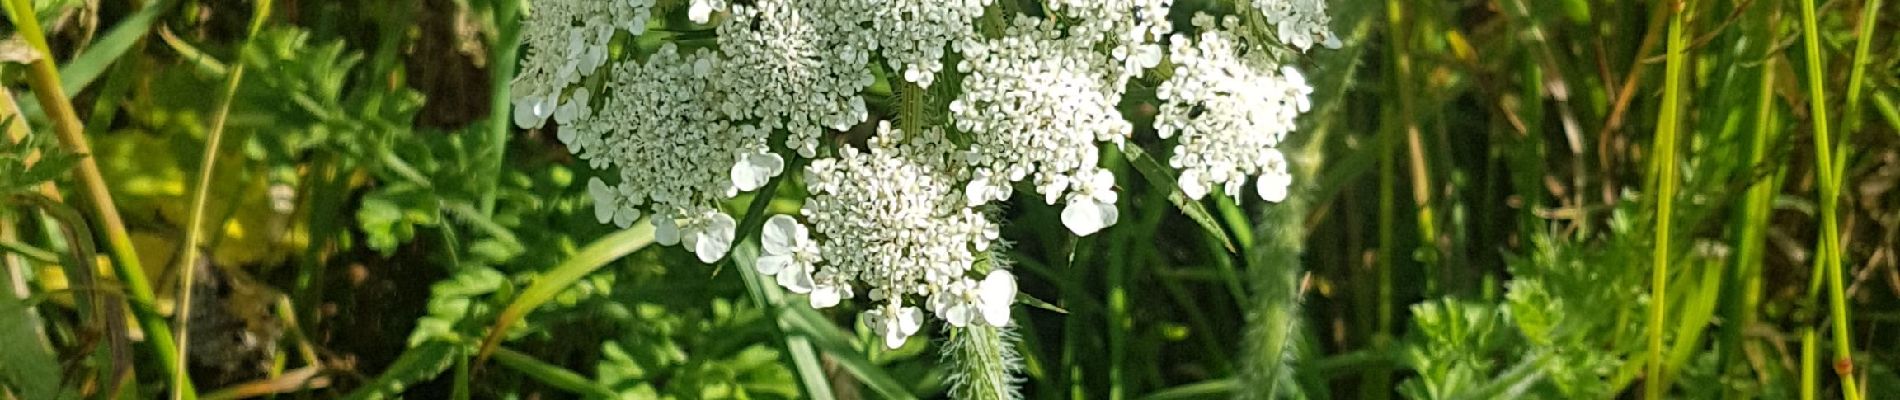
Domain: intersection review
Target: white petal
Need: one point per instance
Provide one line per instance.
(780, 235)
(1084, 217)
(754, 170)
(771, 264)
(977, 192)
(909, 320)
(957, 315)
(625, 216)
(1273, 187)
(666, 230)
(826, 296)
(603, 199)
(524, 115)
(715, 239)
(893, 338)
(700, 12)
(998, 293)
(1191, 184)
(796, 278)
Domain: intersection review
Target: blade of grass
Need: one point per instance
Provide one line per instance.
(30, 367)
(804, 358)
(552, 375)
(806, 322)
(1158, 175)
(1667, 122)
(1217, 388)
(595, 255)
(1831, 180)
(1757, 205)
(194, 227)
(1857, 75)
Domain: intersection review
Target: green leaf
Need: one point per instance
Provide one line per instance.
(1159, 176)
(589, 259)
(552, 375)
(806, 322)
(419, 363)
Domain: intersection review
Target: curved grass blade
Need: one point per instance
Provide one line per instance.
(1159, 176)
(589, 259)
(552, 375)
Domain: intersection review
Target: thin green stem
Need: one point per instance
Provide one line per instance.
(507, 44)
(43, 78)
(194, 227)
(1665, 149)
(1858, 72)
(1831, 181)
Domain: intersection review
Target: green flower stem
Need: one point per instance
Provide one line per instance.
(1829, 261)
(43, 78)
(1665, 166)
(194, 227)
(507, 45)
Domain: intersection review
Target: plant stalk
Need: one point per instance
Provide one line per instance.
(43, 78)
(1665, 148)
(194, 227)
(1830, 186)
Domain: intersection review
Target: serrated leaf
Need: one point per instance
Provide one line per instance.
(1157, 174)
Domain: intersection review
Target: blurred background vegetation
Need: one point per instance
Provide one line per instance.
(1491, 198)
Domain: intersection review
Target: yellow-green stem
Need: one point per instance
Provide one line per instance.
(1665, 149)
(43, 78)
(194, 231)
(1830, 192)
(194, 228)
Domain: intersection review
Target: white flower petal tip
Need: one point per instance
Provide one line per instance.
(827, 296)
(666, 231)
(1190, 183)
(781, 235)
(771, 264)
(1273, 187)
(603, 195)
(1086, 216)
(901, 326)
(997, 293)
(796, 278)
(754, 170)
(713, 240)
(700, 12)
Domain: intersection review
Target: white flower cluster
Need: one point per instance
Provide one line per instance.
(915, 34)
(797, 66)
(891, 219)
(1036, 104)
(678, 157)
(1129, 29)
(1300, 22)
(683, 131)
(567, 41)
(1231, 108)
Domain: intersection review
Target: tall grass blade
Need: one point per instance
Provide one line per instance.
(595, 255)
(1667, 123)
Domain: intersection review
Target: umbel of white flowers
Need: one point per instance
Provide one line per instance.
(678, 132)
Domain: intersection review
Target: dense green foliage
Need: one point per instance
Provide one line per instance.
(1474, 215)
